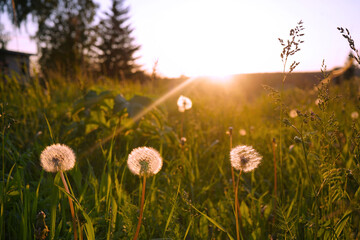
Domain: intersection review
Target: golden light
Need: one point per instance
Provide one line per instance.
(220, 79)
(137, 117)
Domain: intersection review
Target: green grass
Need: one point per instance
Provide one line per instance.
(192, 196)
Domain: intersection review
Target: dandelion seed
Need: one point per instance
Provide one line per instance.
(293, 113)
(57, 157)
(244, 158)
(355, 115)
(144, 161)
(242, 132)
(184, 103)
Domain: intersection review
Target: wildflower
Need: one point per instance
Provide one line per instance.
(293, 113)
(182, 141)
(291, 147)
(355, 115)
(184, 103)
(244, 158)
(144, 161)
(242, 132)
(57, 157)
(318, 101)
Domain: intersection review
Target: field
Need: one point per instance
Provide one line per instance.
(316, 152)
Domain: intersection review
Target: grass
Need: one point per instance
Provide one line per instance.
(192, 196)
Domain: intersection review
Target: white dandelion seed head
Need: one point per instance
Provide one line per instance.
(57, 157)
(293, 113)
(244, 158)
(355, 115)
(144, 161)
(242, 132)
(184, 103)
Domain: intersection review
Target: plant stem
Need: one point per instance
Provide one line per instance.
(232, 169)
(237, 211)
(275, 179)
(141, 208)
(71, 205)
(237, 207)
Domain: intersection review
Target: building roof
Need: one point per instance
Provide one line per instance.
(7, 52)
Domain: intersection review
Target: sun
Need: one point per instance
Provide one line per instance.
(220, 79)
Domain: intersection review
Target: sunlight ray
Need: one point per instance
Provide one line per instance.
(143, 112)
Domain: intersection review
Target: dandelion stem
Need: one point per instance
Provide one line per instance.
(232, 169)
(182, 125)
(141, 208)
(237, 211)
(71, 205)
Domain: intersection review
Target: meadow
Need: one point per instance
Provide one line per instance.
(311, 136)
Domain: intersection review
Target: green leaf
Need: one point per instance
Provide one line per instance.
(89, 229)
(137, 104)
(342, 222)
(212, 221)
(120, 103)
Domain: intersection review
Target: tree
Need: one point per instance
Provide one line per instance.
(63, 37)
(19, 10)
(4, 37)
(115, 44)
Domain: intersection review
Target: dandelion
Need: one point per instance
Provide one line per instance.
(60, 158)
(242, 132)
(293, 113)
(355, 115)
(182, 141)
(184, 103)
(57, 157)
(144, 161)
(244, 158)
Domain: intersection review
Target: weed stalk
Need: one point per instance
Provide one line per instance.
(237, 210)
(275, 179)
(71, 205)
(141, 208)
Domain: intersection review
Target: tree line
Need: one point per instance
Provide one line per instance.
(72, 40)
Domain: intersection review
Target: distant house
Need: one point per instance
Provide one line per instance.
(15, 64)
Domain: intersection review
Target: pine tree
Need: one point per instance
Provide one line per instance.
(116, 47)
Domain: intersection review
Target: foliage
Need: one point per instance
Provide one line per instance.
(4, 37)
(20, 10)
(64, 35)
(191, 195)
(116, 45)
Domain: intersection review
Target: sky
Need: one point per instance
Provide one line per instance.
(219, 38)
